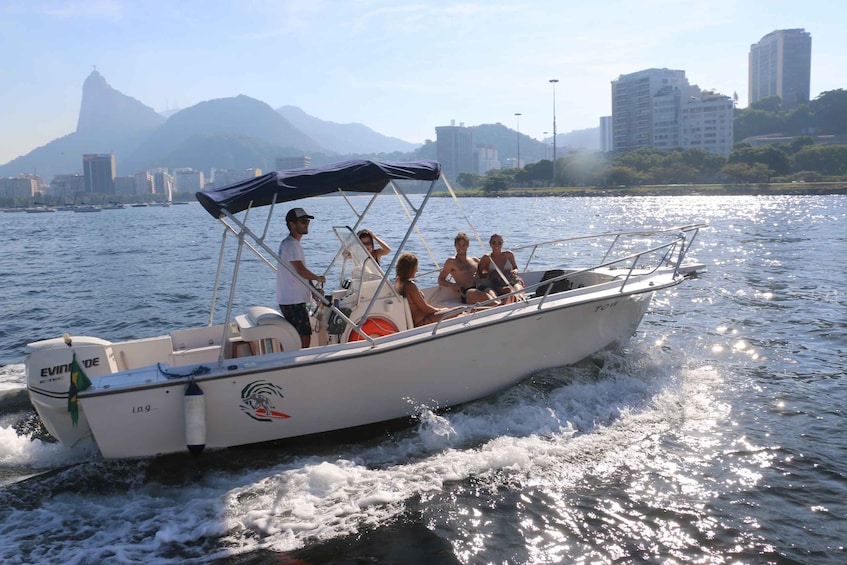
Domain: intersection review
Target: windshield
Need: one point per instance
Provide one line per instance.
(358, 265)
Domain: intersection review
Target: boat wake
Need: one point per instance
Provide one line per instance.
(560, 424)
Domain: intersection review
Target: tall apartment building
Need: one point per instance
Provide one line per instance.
(99, 172)
(487, 158)
(454, 150)
(67, 186)
(163, 183)
(658, 108)
(189, 180)
(687, 118)
(22, 186)
(125, 185)
(224, 177)
(632, 106)
(288, 163)
(144, 183)
(780, 64)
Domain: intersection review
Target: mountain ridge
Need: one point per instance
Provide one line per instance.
(238, 132)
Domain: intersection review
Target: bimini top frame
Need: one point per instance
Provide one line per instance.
(360, 176)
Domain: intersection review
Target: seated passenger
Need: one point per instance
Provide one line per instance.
(368, 238)
(422, 312)
(507, 264)
(463, 270)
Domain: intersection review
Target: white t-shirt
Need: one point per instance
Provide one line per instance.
(289, 290)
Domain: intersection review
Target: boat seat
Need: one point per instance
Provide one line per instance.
(194, 338)
(142, 352)
(208, 354)
(262, 323)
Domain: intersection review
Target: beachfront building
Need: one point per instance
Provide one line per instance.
(163, 183)
(143, 183)
(658, 108)
(125, 185)
(632, 106)
(189, 180)
(23, 186)
(780, 64)
(487, 159)
(288, 163)
(224, 177)
(66, 187)
(686, 117)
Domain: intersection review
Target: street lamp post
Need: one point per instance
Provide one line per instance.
(518, 116)
(554, 81)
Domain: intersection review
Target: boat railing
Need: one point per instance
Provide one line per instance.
(616, 240)
(671, 254)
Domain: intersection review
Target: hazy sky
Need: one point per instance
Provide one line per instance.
(399, 67)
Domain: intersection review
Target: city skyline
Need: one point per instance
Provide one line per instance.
(399, 68)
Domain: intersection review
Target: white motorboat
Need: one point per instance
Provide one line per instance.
(88, 208)
(245, 379)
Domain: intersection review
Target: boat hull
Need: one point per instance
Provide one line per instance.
(307, 392)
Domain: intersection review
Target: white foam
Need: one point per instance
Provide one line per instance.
(555, 429)
(22, 451)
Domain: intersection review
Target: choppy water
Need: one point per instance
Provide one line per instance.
(715, 436)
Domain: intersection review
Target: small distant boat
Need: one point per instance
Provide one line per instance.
(88, 208)
(113, 206)
(38, 210)
(140, 205)
(175, 203)
(162, 204)
(13, 210)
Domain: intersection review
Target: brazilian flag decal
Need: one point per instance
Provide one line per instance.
(79, 381)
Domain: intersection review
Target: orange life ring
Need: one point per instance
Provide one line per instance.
(374, 327)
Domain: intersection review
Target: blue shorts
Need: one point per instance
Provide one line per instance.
(298, 316)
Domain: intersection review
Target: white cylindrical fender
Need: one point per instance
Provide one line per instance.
(195, 418)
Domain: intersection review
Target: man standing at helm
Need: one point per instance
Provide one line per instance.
(292, 296)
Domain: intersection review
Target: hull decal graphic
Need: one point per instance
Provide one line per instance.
(256, 401)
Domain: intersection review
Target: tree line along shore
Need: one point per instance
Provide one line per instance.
(755, 189)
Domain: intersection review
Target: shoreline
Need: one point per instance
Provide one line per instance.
(776, 189)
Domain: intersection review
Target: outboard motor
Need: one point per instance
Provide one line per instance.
(48, 377)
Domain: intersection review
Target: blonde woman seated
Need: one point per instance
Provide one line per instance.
(506, 262)
(422, 312)
(462, 269)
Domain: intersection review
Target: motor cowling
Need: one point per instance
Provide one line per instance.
(48, 373)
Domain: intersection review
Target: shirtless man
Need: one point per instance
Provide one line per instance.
(462, 269)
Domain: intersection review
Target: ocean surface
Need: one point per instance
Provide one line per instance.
(717, 434)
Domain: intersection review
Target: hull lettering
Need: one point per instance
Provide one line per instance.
(606, 306)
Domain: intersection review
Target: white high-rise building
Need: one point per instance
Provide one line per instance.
(780, 64)
(658, 108)
(632, 106)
